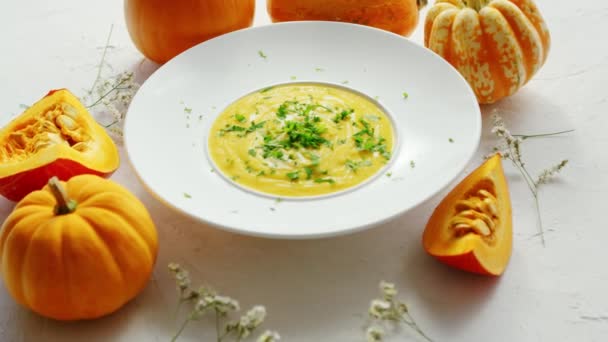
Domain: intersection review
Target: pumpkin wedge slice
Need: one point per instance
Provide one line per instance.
(471, 229)
(55, 137)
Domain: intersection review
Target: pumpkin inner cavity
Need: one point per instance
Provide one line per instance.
(477, 213)
(57, 125)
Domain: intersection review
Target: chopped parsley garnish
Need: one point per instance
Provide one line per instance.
(246, 130)
(233, 128)
(365, 140)
(356, 165)
(405, 95)
(293, 176)
(187, 110)
(239, 117)
(252, 152)
(308, 172)
(343, 115)
(305, 134)
(325, 180)
(412, 164)
(255, 126)
(262, 54)
(187, 195)
(451, 140)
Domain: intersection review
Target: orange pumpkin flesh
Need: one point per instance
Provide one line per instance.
(55, 137)
(162, 29)
(81, 257)
(398, 16)
(471, 228)
(497, 45)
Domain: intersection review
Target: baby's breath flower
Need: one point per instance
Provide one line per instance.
(375, 333)
(379, 308)
(510, 147)
(269, 336)
(225, 304)
(551, 172)
(181, 276)
(388, 290)
(206, 300)
(389, 309)
(250, 321)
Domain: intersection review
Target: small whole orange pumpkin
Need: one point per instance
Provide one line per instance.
(398, 16)
(79, 249)
(162, 29)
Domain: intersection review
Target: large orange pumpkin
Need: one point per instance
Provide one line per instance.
(471, 228)
(77, 250)
(497, 45)
(398, 16)
(161, 29)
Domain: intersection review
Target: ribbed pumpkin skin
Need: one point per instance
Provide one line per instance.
(161, 29)
(496, 45)
(81, 265)
(398, 16)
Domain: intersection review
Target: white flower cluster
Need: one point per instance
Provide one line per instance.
(112, 97)
(389, 309)
(206, 300)
(510, 148)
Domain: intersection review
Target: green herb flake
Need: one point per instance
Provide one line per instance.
(187, 110)
(187, 195)
(412, 164)
(262, 54)
(389, 174)
(451, 140)
(405, 95)
(293, 176)
(252, 152)
(240, 117)
(308, 172)
(293, 78)
(343, 115)
(319, 69)
(325, 180)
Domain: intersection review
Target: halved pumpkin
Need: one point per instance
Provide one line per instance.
(55, 137)
(471, 229)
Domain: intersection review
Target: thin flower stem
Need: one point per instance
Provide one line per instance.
(112, 124)
(217, 327)
(523, 136)
(534, 191)
(540, 221)
(106, 94)
(412, 324)
(181, 329)
(103, 59)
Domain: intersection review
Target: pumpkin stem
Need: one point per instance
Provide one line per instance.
(421, 4)
(477, 5)
(64, 204)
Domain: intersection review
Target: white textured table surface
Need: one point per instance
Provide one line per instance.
(319, 290)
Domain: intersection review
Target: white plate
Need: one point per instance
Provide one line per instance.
(439, 124)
